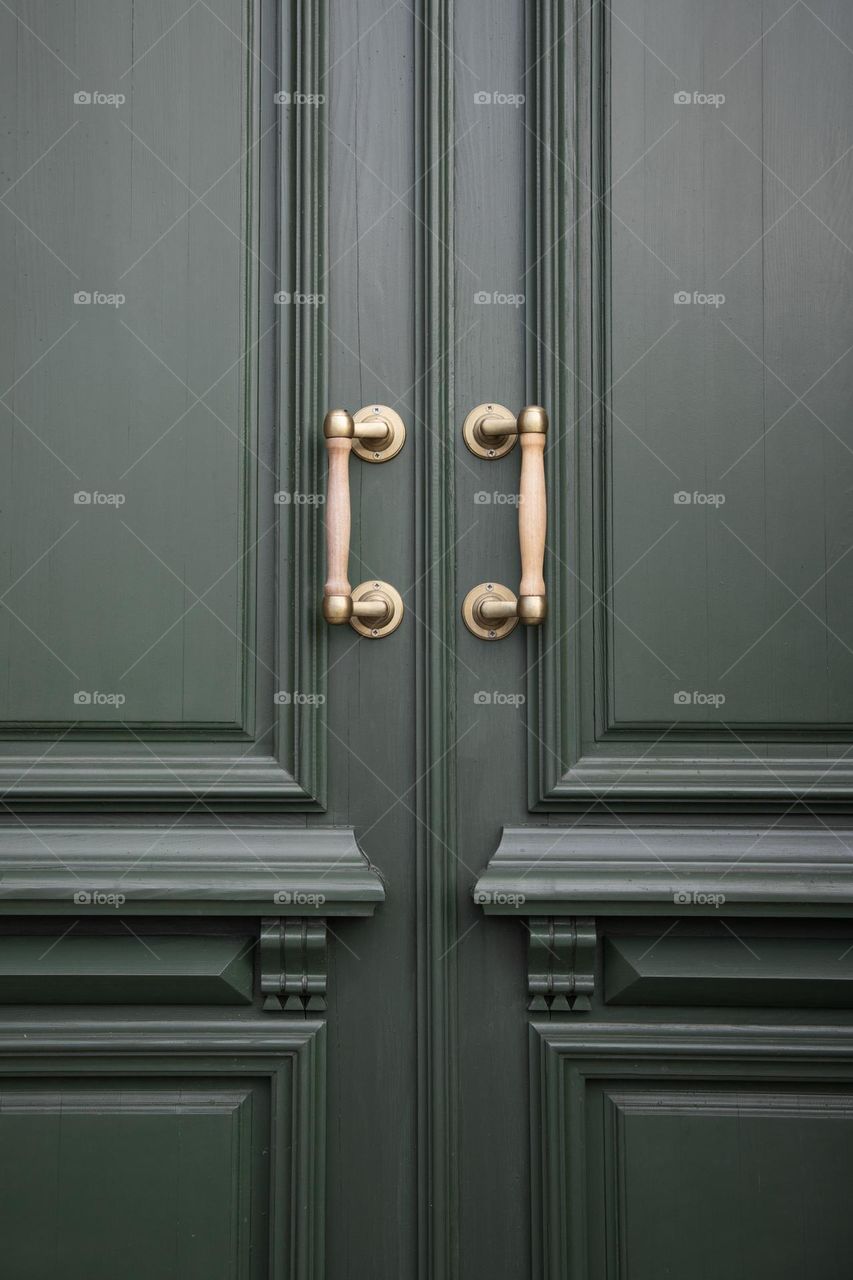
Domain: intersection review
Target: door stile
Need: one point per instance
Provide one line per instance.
(437, 913)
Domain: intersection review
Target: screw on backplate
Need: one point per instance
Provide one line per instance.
(375, 631)
(376, 585)
(376, 455)
(489, 586)
(491, 453)
(492, 635)
(376, 408)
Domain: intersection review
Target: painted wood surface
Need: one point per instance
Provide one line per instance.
(442, 209)
(701, 644)
(154, 611)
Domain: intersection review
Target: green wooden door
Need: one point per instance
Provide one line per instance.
(667, 816)
(427, 956)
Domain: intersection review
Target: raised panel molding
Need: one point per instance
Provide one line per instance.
(273, 756)
(76, 1167)
(116, 969)
(578, 757)
(288, 1055)
(789, 973)
(791, 1072)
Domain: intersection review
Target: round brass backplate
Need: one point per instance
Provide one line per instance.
(376, 628)
(487, 628)
(490, 446)
(379, 450)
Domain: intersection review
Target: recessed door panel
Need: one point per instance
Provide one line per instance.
(134, 1178)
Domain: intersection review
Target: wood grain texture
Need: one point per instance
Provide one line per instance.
(492, 199)
(373, 296)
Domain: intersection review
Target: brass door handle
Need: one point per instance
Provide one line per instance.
(491, 611)
(375, 434)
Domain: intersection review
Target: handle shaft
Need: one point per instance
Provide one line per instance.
(532, 514)
(338, 430)
(338, 519)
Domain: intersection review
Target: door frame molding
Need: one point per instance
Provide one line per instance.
(282, 765)
(576, 757)
(303, 391)
(437, 908)
(290, 1055)
(563, 1059)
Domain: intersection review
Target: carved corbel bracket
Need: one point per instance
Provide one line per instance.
(292, 961)
(561, 963)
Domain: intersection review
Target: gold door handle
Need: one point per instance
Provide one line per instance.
(375, 434)
(491, 611)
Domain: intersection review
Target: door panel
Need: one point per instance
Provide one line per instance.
(145, 1180)
(105, 396)
(191, 1147)
(700, 580)
(710, 1154)
(714, 1166)
(153, 616)
(706, 432)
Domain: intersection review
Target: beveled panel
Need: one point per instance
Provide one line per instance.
(153, 615)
